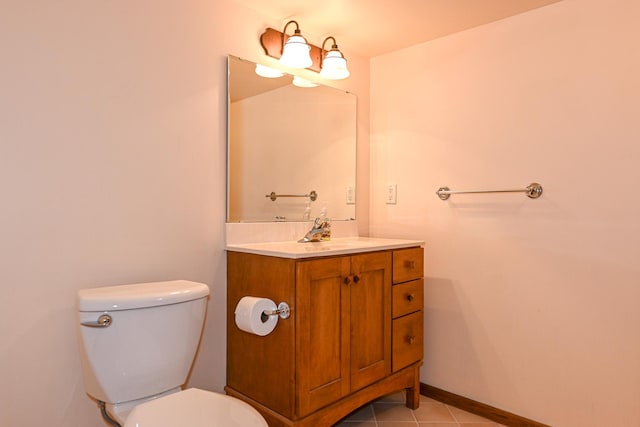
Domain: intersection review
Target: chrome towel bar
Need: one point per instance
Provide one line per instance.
(533, 191)
(312, 195)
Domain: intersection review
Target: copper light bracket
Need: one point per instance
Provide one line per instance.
(271, 41)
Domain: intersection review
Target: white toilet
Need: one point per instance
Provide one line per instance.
(137, 344)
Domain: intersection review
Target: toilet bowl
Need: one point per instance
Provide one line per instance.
(195, 408)
(137, 345)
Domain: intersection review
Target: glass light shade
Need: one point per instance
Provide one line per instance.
(334, 66)
(295, 53)
(268, 72)
(300, 82)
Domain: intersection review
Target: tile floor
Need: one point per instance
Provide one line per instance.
(389, 411)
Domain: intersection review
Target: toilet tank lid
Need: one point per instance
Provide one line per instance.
(140, 295)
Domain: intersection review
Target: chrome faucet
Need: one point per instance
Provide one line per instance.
(317, 232)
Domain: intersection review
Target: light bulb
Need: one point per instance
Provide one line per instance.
(334, 66)
(295, 52)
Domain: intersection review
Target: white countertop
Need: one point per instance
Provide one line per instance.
(335, 246)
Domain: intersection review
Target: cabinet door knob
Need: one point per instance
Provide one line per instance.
(347, 280)
(356, 279)
(410, 297)
(411, 339)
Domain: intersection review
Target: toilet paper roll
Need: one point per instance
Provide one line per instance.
(249, 316)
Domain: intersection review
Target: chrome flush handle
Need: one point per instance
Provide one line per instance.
(104, 321)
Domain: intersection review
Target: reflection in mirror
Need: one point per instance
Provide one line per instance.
(290, 141)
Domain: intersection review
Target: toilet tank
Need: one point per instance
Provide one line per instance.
(151, 342)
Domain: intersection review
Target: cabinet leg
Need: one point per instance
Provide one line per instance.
(413, 397)
(413, 393)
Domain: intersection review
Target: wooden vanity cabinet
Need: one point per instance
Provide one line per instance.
(339, 348)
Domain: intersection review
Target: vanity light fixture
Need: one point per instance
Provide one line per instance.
(268, 72)
(333, 65)
(300, 82)
(295, 50)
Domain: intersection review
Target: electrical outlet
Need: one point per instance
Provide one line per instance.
(392, 194)
(350, 194)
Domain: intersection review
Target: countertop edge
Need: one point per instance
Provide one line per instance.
(324, 249)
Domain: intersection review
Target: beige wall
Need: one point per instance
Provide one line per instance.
(531, 305)
(112, 170)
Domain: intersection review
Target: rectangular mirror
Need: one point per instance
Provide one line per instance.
(285, 144)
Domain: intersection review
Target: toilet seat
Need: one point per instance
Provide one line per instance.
(195, 408)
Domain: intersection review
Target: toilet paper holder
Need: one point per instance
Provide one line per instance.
(283, 311)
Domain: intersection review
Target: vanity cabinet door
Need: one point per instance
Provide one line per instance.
(322, 338)
(370, 318)
(343, 323)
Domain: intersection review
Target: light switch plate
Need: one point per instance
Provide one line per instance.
(392, 194)
(350, 194)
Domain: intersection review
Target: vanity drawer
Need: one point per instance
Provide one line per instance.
(407, 340)
(408, 264)
(407, 297)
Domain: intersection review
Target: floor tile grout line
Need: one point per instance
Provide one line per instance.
(452, 415)
(375, 419)
(414, 417)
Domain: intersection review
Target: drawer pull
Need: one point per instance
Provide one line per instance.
(411, 339)
(410, 264)
(410, 297)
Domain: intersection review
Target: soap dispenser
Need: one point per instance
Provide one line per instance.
(307, 212)
(326, 224)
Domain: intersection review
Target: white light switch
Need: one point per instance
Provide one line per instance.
(350, 194)
(392, 194)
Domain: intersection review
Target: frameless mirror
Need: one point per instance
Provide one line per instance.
(291, 150)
